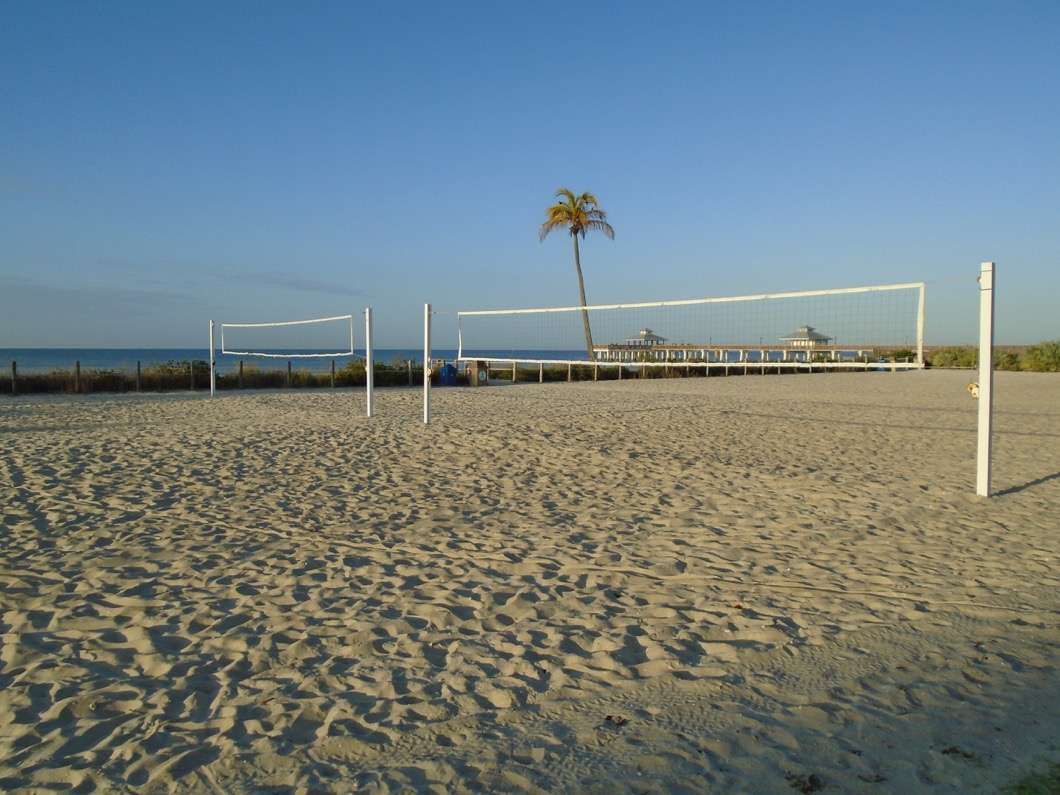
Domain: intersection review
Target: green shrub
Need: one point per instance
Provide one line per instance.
(902, 355)
(964, 356)
(175, 375)
(1042, 358)
(105, 381)
(1006, 360)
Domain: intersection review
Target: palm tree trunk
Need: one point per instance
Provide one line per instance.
(585, 312)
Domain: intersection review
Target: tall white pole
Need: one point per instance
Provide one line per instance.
(920, 329)
(369, 364)
(213, 365)
(426, 364)
(986, 378)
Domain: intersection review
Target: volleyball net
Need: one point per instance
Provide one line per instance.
(330, 337)
(822, 328)
(291, 339)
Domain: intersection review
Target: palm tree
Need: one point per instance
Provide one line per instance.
(578, 214)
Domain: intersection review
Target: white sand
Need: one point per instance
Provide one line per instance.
(747, 584)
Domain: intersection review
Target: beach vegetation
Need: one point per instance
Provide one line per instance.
(195, 375)
(1006, 360)
(170, 375)
(964, 356)
(1042, 358)
(578, 215)
(102, 381)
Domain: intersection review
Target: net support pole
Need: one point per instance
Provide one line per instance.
(426, 364)
(213, 364)
(986, 378)
(369, 364)
(920, 328)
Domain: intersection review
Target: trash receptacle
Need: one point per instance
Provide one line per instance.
(477, 374)
(447, 375)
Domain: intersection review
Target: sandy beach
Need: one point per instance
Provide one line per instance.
(748, 584)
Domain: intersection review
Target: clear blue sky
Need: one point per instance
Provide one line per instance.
(165, 163)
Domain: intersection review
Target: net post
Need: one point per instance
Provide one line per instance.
(369, 365)
(986, 378)
(920, 327)
(426, 364)
(213, 365)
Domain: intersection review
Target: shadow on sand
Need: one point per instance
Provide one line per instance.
(1029, 484)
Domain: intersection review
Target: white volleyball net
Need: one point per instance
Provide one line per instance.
(821, 328)
(292, 339)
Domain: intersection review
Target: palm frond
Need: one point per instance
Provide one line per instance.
(578, 214)
(599, 225)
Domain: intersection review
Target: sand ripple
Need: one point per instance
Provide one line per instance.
(743, 584)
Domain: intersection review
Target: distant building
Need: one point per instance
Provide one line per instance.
(646, 337)
(806, 337)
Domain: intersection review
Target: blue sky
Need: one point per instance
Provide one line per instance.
(165, 163)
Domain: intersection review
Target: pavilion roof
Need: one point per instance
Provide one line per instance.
(806, 333)
(646, 335)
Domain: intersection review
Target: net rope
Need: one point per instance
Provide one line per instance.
(837, 324)
(288, 323)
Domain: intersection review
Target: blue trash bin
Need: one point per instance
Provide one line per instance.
(447, 376)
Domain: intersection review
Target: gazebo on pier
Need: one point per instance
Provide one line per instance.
(642, 346)
(646, 337)
(806, 337)
(805, 345)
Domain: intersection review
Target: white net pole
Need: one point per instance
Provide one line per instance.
(369, 366)
(986, 378)
(426, 364)
(213, 363)
(920, 326)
